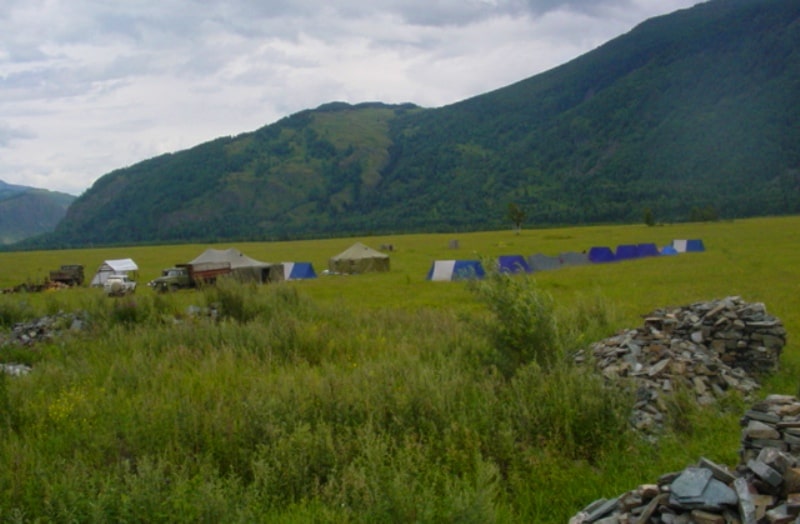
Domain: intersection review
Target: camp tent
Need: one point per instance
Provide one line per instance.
(600, 254)
(679, 245)
(541, 262)
(684, 246)
(455, 270)
(626, 252)
(298, 271)
(669, 250)
(121, 266)
(572, 258)
(358, 258)
(695, 246)
(242, 267)
(647, 250)
(512, 264)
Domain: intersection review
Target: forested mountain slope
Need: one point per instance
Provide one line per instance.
(26, 211)
(695, 109)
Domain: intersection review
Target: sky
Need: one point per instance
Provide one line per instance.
(89, 86)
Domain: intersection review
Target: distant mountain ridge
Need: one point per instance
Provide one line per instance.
(26, 211)
(696, 109)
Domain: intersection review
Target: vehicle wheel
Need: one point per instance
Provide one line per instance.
(173, 288)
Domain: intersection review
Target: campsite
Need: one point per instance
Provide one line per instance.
(361, 397)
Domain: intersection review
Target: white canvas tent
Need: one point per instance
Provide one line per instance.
(121, 266)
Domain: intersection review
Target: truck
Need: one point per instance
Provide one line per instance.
(119, 285)
(68, 274)
(183, 276)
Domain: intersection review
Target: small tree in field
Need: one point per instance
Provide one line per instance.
(517, 216)
(649, 218)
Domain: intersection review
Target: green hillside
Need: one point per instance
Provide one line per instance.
(696, 110)
(26, 212)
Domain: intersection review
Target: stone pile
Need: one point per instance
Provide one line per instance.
(771, 423)
(28, 334)
(42, 329)
(707, 348)
(763, 488)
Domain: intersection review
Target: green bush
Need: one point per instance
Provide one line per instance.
(13, 310)
(523, 326)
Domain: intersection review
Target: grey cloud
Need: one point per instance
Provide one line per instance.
(9, 134)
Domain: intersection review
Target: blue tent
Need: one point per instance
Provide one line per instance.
(600, 254)
(669, 250)
(455, 270)
(298, 270)
(626, 252)
(695, 245)
(647, 250)
(512, 264)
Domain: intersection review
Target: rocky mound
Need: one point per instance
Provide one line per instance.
(707, 348)
(764, 486)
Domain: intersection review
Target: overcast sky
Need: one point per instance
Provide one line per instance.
(88, 86)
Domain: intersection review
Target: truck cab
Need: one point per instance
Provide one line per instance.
(172, 279)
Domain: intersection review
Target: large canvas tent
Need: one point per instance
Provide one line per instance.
(298, 271)
(358, 258)
(443, 270)
(242, 267)
(120, 266)
(512, 264)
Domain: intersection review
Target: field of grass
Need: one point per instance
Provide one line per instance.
(363, 398)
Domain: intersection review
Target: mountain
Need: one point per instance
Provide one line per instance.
(26, 211)
(693, 110)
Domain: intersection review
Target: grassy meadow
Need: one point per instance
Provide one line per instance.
(378, 397)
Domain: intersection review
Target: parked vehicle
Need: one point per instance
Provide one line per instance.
(69, 274)
(190, 275)
(119, 285)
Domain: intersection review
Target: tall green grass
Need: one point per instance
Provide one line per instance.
(367, 398)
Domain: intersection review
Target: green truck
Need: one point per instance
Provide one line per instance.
(68, 274)
(183, 276)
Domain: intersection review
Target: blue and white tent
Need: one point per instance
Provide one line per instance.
(298, 271)
(443, 270)
(695, 246)
(688, 246)
(512, 264)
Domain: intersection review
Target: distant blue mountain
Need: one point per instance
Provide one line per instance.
(28, 211)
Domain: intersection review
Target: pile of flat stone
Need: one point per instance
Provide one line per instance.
(33, 332)
(707, 348)
(764, 486)
(42, 329)
(771, 423)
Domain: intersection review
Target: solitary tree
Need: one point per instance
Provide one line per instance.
(517, 216)
(649, 218)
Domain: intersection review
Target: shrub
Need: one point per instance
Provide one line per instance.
(13, 311)
(523, 325)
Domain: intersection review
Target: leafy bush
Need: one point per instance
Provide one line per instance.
(523, 326)
(13, 310)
